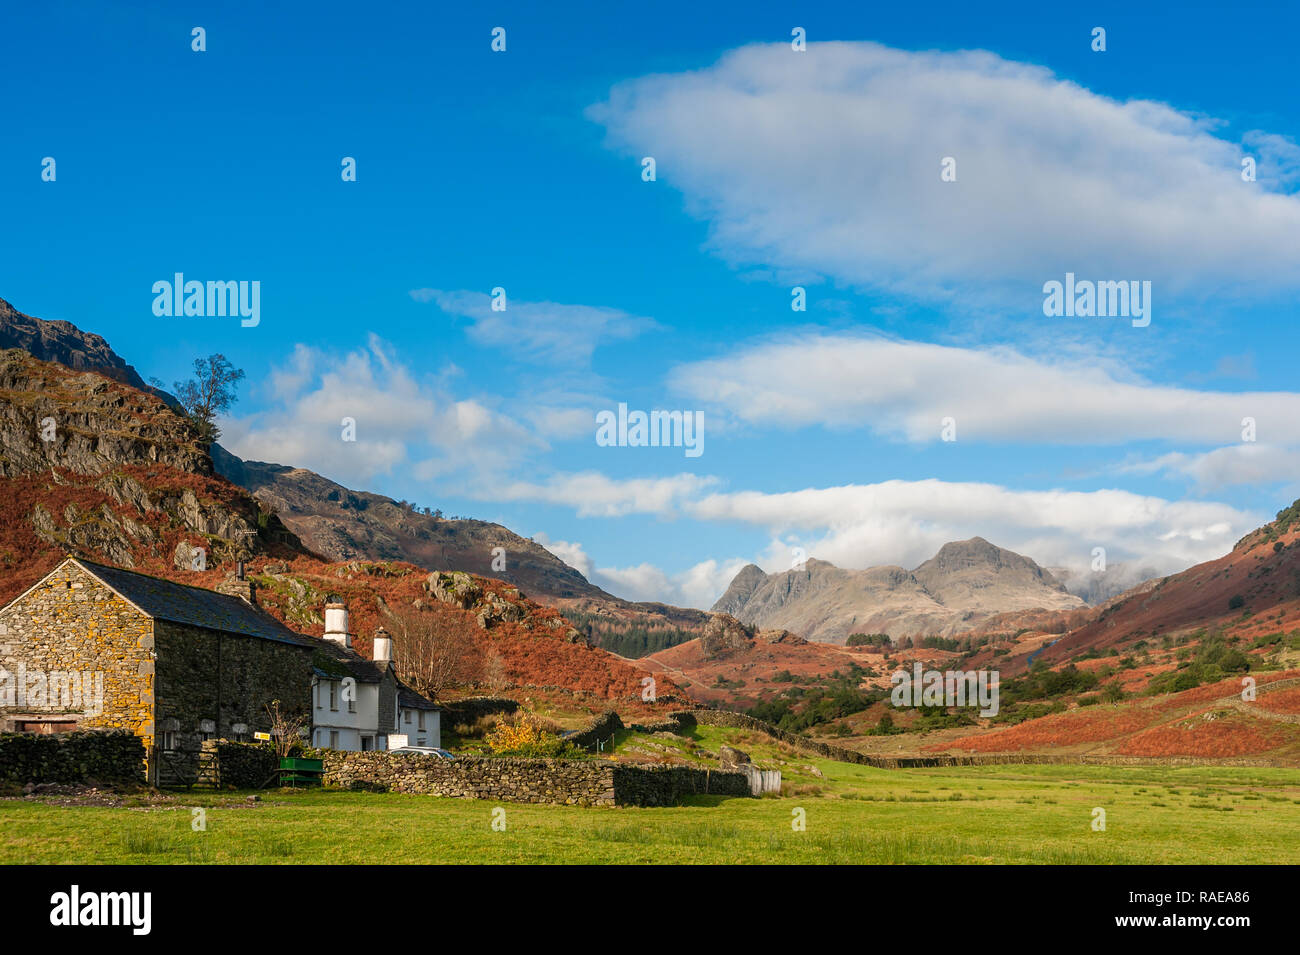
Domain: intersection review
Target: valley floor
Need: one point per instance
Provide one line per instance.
(854, 814)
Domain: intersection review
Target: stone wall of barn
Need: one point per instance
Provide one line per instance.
(82, 654)
(208, 683)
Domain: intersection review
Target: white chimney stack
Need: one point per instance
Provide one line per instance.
(383, 646)
(336, 623)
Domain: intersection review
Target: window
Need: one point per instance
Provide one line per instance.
(419, 741)
(44, 727)
(352, 706)
(334, 696)
(421, 720)
(334, 739)
(169, 740)
(408, 716)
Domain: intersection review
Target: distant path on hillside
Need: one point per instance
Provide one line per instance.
(658, 666)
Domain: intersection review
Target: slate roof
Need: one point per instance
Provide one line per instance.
(194, 606)
(408, 698)
(334, 661)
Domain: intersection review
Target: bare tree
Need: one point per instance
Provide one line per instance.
(286, 729)
(209, 393)
(434, 651)
(495, 671)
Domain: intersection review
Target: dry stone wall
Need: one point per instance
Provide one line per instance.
(580, 782)
(92, 758)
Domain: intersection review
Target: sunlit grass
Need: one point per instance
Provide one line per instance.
(968, 815)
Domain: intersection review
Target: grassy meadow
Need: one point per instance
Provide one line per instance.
(853, 814)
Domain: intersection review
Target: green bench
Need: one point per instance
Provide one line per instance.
(307, 772)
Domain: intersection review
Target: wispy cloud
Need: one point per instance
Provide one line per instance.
(542, 332)
(1249, 463)
(592, 494)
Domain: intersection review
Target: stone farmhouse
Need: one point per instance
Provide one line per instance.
(91, 646)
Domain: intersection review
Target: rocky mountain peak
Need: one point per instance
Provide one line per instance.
(66, 344)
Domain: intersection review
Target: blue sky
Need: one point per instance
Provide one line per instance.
(775, 168)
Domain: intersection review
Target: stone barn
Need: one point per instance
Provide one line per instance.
(91, 646)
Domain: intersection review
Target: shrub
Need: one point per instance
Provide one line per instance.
(867, 640)
(526, 734)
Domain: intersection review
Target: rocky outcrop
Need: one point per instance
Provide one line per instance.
(85, 423)
(458, 589)
(67, 345)
(724, 634)
(730, 757)
(95, 467)
(462, 591)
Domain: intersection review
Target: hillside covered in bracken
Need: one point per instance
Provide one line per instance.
(95, 467)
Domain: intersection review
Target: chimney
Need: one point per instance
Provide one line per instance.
(383, 652)
(336, 622)
(238, 585)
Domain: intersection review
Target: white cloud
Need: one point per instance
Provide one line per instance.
(698, 586)
(542, 332)
(905, 522)
(905, 389)
(829, 161)
(400, 422)
(568, 551)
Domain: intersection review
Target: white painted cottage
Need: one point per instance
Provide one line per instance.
(358, 704)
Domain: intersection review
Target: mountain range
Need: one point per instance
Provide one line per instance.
(963, 585)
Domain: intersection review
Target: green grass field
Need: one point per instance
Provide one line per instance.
(993, 814)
